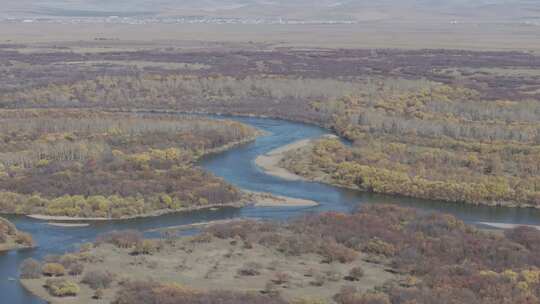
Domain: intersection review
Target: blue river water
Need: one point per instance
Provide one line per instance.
(237, 167)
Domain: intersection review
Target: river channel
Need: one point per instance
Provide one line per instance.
(237, 167)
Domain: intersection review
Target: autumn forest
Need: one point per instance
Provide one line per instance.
(103, 135)
(94, 164)
(457, 126)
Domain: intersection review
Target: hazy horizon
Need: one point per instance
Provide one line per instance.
(353, 10)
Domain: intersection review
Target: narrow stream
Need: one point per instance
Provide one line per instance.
(238, 168)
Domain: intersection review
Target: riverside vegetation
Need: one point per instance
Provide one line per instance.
(380, 254)
(438, 142)
(439, 124)
(94, 164)
(11, 238)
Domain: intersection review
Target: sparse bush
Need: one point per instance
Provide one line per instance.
(346, 295)
(62, 287)
(121, 239)
(273, 265)
(250, 269)
(30, 269)
(86, 247)
(98, 279)
(355, 274)
(76, 269)
(152, 264)
(333, 276)
(231, 230)
(281, 278)
(90, 257)
(349, 295)
(248, 244)
(333, 252)
(24, 238)
(98, 294)
(310, 273)
(308, 301)
(379, 247)
(271, 289)
(68, 259)
(292, 245)
(147, 247)
(318, 280)
(202, 238)
(53, 270)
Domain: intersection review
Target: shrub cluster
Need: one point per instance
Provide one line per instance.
(447, 260)
(30, 269)
(98, 279)
(250, 269)
(157, 293)
(147, 247)
(53, 269)
(62, 287)
(121, 239)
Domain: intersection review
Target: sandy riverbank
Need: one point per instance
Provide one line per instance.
(11, 246)
(42, 217)
(258, 199)
(506, 226)
(198, 225)
(262, 199)
(69, 225)
(269, 162)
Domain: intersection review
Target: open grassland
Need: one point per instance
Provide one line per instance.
(84, 163)
(365, 34)
(377, 255)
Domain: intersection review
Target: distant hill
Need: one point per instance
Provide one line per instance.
(354, 10)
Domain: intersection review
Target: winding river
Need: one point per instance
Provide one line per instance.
(237, 167)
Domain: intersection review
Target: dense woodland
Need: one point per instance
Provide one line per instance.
(443, 124)
(435, 258)
(436, 143)
(95, 164)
